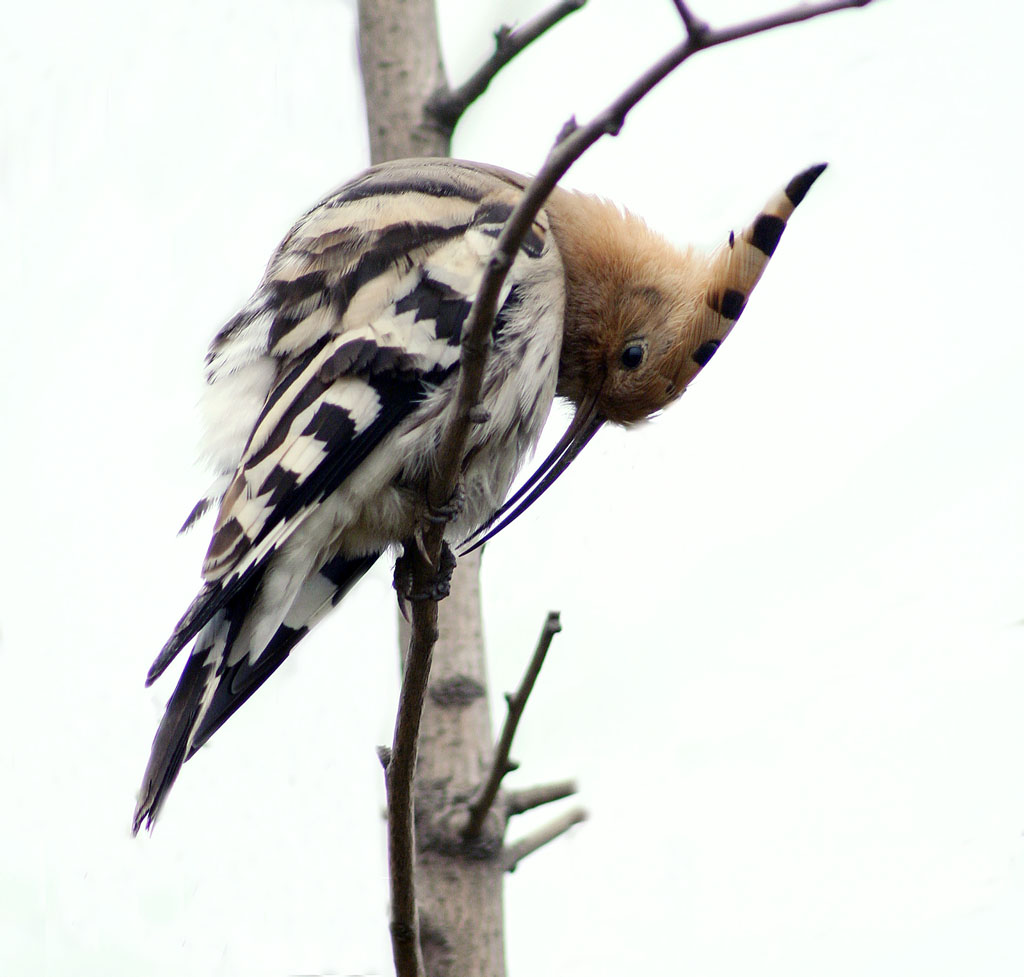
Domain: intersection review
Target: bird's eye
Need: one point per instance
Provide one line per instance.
(705, 351)
(633, 355)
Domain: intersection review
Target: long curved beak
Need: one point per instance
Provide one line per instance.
(585, 424)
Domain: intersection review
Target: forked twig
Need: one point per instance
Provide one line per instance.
(447, 105)
(692, 24)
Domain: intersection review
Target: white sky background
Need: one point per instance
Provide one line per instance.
(791, 677)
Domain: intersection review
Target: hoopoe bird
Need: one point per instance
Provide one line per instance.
(327, 395)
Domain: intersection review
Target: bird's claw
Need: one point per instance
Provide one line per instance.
(452, 509)
(440, 585)
(402, 582)
(437, 588)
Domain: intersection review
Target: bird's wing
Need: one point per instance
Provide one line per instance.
(359, 314)
(358, 317)
(370, 293)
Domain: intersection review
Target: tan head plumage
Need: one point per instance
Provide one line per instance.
(642, 317)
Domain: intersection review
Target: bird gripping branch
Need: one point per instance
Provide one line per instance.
(328, 393)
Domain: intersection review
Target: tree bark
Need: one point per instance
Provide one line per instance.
(400, 58)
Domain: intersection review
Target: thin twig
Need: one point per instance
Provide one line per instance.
(484, 797)
(528, 798)
(694, 26)
(515, 853)
(447, 105)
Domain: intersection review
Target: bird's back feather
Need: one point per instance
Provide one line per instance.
(326, 397)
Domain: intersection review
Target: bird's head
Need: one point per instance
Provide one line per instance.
(635, 332)
(643, 318)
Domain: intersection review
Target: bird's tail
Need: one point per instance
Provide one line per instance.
(211, 687)
(737, 267)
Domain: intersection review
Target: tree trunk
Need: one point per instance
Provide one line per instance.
(400, 58)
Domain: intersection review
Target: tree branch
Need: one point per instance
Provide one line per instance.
(530, 797)
(484, 798)
(515, 853)
(573, 141)
(398, 778)
(447, 105)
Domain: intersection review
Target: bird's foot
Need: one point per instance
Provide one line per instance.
(441, 585)
(452, 509)
(436, 588)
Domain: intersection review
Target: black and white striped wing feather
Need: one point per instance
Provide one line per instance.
(326, 396)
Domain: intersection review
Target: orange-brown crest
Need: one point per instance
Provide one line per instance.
(642, 317)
